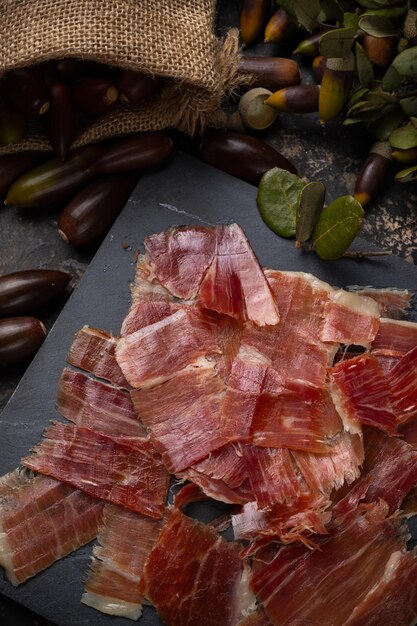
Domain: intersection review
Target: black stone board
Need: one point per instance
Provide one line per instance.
(185, 192)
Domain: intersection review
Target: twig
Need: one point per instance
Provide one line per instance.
(360, 255)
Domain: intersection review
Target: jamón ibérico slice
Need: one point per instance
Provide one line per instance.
(125, 539)
(257, 618)
(299, 418)
(324, 472)
(154, 353)
(182, 415)
(361, 394)
(350, 319)
(145, 313)
(389, 473)
(393, 599)
(392, 303)
(41, 521)
(92, 350)
(92, 404)
(131, 476)
(323, 586)
(193, 576)
(408, 432)
(402, 381)
(393, 340)
(179, 258)
(234, 283)
(12, 480)
(145, 287)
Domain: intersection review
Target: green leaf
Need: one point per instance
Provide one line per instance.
(377, 26)
(351, 20)
(392, 79)
(356, 96)
(337, 42)
(405, 63)
(363, 107)
(404, 137)
(277, 200)
(409, 105)
(306, 13)
(364, 67)
(332, 10)
(337, 227)
(392, 12)
(309, 208)
(407, 176)
(368, 4)
(391, 117)
(287, 5)
(413, 120)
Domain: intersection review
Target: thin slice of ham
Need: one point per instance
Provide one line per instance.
(323, 586)
(144, 313)
(361, 394)
(41, 521)
(182, 415)
(402, 381)
(393, 340)
(145, 286)
(257, 618)
(12, 480)
(95, 405)
(131, 476)
(350, 319)
(125, 539)
(193, 576)
(392, 303)
(93, 350)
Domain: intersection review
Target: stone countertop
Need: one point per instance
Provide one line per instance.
(333, 155)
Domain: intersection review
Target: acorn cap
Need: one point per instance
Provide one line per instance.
(382, 148)
(341, 64)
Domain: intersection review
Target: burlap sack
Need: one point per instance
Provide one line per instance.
(170, 38)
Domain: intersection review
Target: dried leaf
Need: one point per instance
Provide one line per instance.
(337, 227)
(364, 67)
(277, 199)
(404, 137)
(377, 26)
(309, 208)
(337, 43)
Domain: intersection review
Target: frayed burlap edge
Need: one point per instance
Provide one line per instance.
(179, 105)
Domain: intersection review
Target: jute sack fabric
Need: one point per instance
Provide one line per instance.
(170, 38)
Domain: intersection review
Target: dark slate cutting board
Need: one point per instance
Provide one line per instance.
(185, 192)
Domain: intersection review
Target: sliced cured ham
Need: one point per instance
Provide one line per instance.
(323, 586)
(182, 415)
(145, 313)
(145, 286)
(41, 521)
(361, 394)
(402, 381)
(393, 340)
(393, 599)
(234, 283)
(12, 480)
(258, 618)
(389, 473)
(350, 319)
(125, 540)
(95, 405)
(153, 354)
(179, 258)
(93, 350)
(131, 476)
(193, 576)
(392, 303)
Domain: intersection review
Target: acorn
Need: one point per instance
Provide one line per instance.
(30, 290)
(335, 86)
(406, 156)
(280, 28)
(136, 86)
(54, 179)
(254, 113)
(134, 153)
(12, 125)
(296, 99)
(318, 66)
(374, 173)
(94, 95)
(240, 155)
(93, 210)
(270, 72)
(26, 88)
(12, 166)
(253, 16)
(61, 119)
(379, 50)
(20, 338)
(309, 47)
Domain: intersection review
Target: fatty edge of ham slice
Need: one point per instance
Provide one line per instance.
(41, 521)
(321, 586)
(393, 340)
(93, 350)
(235, 284)
(193, 576)
(402, 381)
(125, 540)
(145, 287)
(350, 319)
(392, 303)
(131, 476)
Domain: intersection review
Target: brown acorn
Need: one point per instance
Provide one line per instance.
(318, 66)
(26, 88)
(335, 86)
(20, 338)
(136, 86)
(296, 99)
(94, 96)
(134, 153)
(12, 166)
(407, 156)
(12, 125)
(30, 290)
(270, 72)
(240, 155)
(379, 50)
(374, 173)
(61, 119)
(280, 28)
(253, 16)
(309, 47)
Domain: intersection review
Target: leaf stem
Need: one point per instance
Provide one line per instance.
(361, 254)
